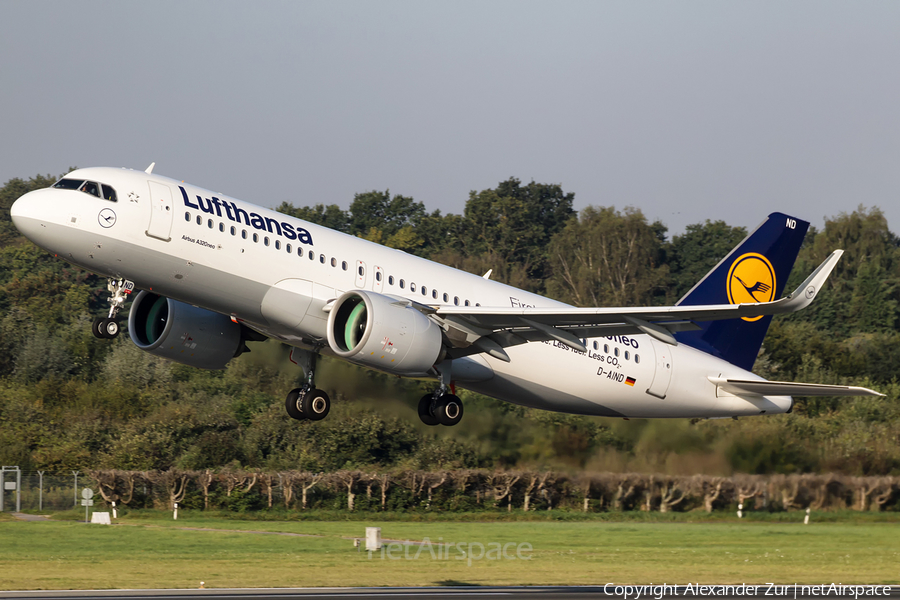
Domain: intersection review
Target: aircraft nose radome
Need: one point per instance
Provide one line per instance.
(19, 210)
(26, 214)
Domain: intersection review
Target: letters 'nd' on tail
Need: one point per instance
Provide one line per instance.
(755, 271)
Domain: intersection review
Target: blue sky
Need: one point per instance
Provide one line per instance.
(688, 111)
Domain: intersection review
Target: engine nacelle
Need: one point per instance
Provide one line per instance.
(193, 336)
(384, 333)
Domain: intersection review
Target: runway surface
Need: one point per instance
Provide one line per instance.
(464, 593)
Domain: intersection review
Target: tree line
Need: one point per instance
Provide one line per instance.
(70, 401)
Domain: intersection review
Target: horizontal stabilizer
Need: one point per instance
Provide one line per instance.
(788, 388)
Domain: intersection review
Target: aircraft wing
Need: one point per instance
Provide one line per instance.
(486, 329)
(788, 388)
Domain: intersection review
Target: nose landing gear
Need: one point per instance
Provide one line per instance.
(108, 328)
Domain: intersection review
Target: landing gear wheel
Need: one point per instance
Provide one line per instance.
(448, 410)
(425, 410)
(95, 327)
(315, 405)
(105, 329)
(292, 404)
(109, 328)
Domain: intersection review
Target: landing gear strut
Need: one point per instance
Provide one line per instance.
(307, 402)
(108, 328)
(441, 407)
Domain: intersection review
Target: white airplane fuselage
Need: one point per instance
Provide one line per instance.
(238, 259)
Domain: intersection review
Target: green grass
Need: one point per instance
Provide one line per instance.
(152, 552)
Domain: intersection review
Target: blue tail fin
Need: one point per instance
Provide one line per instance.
(755, 271)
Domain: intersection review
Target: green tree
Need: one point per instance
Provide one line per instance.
(514, 223)
(330, 216)
(694, 253)
(608, 258)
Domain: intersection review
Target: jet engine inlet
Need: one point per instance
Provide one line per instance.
(383, 332)
(187, 334)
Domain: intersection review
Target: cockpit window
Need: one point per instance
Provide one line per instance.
(109, 193)
(88, 187)
(68, 184)
(91, 188)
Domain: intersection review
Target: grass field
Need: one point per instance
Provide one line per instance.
(155, 552)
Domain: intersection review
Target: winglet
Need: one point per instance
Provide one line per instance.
(807, 291)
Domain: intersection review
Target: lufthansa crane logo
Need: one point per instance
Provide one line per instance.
(107, 218)
(751, 279)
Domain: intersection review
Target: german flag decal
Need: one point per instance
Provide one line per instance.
(629, 381)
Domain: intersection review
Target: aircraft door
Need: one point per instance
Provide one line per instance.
(360, 275)
(664, 365)
(378, 280)
(161, 212)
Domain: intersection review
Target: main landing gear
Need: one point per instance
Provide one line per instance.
(307, 402)
(108, 328)
(441, 407)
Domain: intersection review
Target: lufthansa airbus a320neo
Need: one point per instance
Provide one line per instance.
(212, 273)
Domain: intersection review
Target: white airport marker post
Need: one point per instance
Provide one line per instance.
(740, 510)
(806, 518)
(87, 500)
(176, 512)
(115, 514)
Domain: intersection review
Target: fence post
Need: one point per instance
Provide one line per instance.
(75, 473)
(40, 490)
